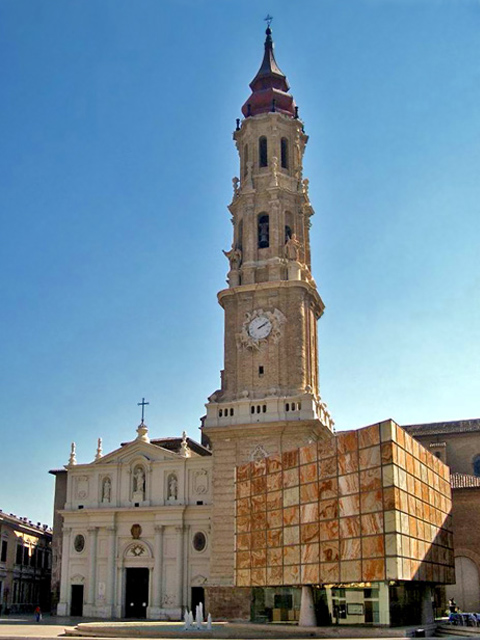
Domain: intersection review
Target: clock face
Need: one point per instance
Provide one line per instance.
(259, 328)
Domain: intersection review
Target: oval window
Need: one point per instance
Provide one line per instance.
(79, 543)
(199, 541)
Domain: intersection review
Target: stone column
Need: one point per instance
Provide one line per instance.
(179, 530)
(92, 573)
(186, 539)
(111, 568)
(157, 568)
(62, 608)
(307, 609)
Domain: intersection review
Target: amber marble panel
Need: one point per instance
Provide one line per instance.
(368, 436)
(386, 452)
(243, 507)
(259, 577)
(291, 574)
(309, 492)
(243, 578)
(371, 523)
(327, 447)
(275, 576)
(309, 473)
(350, 549)
(350, 527)
(274, 482)
(291, 555)
(371, 479)
(258, 558)
(309, 512)
(328, 509)
(310, 574)
(275, 538)
(329, 530)
(348, 462)
(243, 541)
(373, 546)
(291, 496)
(243, 559)
(308, 453)
(274, 500)
(291, 477)
(259, 502)
(243, 524)
(349, 505)
(327, 468)
(243, 489)
(274, 519)
(243, 472)
(310, 532)
(259, 468)
(290, 459)
(330, 572)
(348, 484)
(259, 521)
(310, 553)
(291, 515)
(351, 571)
(329, 551)
(259, 539)
(274, 463)
(328, 488)
(259, 485)
(347, 441)
(274, 556)
(370, 457)
(291, 535)
(373, 570)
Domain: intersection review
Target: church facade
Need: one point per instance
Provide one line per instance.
(154, 527)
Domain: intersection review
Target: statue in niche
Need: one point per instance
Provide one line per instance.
(236, 186)
(139, 482)
(106, 489)
(274, 182)
(292, 248)
(172, 487)
(234, 256)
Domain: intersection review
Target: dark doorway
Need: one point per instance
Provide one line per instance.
(136, 593)
(76, 605)
(198, 596)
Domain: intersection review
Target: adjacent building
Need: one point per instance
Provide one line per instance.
(25, 564)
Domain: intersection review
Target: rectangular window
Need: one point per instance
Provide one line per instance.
(19, 556)
(3, 557)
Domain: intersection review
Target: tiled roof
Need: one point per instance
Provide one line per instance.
(464, 481)
(441, 428)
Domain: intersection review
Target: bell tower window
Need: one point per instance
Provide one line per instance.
(263, 231)
(262, 152)
(284, 153)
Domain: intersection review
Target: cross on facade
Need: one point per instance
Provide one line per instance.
(268, 20)
(142, 404)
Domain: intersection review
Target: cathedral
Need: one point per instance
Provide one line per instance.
(158, 525)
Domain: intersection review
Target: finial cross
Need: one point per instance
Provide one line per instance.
(142, 404)
(268, 20)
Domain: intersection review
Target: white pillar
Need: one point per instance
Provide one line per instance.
(111, 567)
(157, 567)
(307, 610)
(186, 538)
(92, 574)
(62, 608)
(179, 531)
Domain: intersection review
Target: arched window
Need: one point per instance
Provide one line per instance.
(263, 231)
(476, 465)
(288, 233)
(262, 152)
(284, 153)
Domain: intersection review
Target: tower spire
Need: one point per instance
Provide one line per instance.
(270, 86)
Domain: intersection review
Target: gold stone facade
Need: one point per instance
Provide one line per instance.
(373, 505)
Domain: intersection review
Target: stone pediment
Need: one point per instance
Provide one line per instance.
(137, 450)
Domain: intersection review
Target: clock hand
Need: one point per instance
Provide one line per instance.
(263, 325)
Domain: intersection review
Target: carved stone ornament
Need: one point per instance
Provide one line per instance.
(137, 550)
(82, 487)
(251, 336)
(259, 453)
(136, 531)
(200, 481)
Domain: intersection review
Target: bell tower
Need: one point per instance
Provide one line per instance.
(269, 400)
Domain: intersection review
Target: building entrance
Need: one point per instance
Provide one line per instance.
(76, 603)
(198, 596)
(136, 593)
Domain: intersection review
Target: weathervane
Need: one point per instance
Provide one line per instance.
(268, 20)
(142, 404)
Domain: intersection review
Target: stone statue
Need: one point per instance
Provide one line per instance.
(305, 184)
(236, 188)
(234, 257)
(185, 451)
(172, 487)
(292, 248)
(106, 490)
(139, 481)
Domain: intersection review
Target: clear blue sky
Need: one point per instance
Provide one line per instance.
(115, 174)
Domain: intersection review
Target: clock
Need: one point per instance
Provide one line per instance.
(259, 328)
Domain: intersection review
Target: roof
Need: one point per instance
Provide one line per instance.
(174, 444)
(464, 481)
(443, 428)
(18, 521)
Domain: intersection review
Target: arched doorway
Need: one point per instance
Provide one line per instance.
(466, 590)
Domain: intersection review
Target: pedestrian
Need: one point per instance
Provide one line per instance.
(452, 605)
(38, 614)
